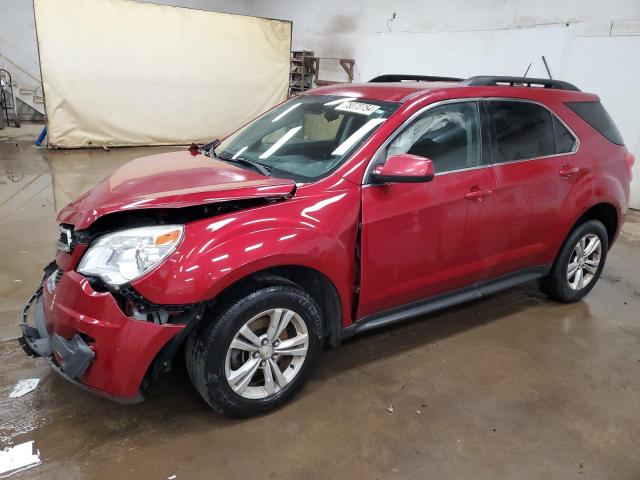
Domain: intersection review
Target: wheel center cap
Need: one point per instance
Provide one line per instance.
(266, 351)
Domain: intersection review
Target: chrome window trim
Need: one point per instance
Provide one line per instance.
(397, 131)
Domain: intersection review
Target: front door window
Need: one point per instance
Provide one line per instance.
(448, 134)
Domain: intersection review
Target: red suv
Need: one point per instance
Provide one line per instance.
(347, 208)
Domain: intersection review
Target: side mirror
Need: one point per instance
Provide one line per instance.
(404, 168)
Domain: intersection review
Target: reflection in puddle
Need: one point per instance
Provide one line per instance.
(34, 184)
(19, 458)
(20, 192)
(19, 425)
(29, 230)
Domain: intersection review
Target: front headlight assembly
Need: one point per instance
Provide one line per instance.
(121, 257)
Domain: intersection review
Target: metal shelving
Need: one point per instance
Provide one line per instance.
(302, 71)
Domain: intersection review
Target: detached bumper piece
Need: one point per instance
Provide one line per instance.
(72, 356)
(35, 341)
(75, 355)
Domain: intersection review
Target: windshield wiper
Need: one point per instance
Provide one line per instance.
(210, 151)
(259, 167)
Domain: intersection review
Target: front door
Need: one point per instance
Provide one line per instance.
(420, 240)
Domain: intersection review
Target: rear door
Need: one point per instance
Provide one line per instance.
(422, 239)
(536, 167)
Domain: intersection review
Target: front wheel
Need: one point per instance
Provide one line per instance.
(579, 263)
(257, 351)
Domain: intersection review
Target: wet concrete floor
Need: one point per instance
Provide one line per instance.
(511, 386)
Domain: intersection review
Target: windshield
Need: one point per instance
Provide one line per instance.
(308, 136)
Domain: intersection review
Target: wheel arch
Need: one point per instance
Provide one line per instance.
(604, 212)
(309, 279)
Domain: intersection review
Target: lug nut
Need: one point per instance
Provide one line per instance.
(264, 342)
(263, 363)
(256, 354)
(276, 343)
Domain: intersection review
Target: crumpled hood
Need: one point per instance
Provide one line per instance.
(171, 180)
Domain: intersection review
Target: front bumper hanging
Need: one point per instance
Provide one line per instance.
(71, 358)
(92, 343)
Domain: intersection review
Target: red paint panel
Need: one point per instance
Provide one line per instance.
(422, 239)
(124, 347)
(317, 229)
(170, 180)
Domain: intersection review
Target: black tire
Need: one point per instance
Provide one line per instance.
(556, 284)
(207, 347)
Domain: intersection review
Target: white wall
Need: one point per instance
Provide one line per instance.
(241, 7)
(473, 37)
(18, 36)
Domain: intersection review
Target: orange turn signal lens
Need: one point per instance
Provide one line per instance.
(169, 237)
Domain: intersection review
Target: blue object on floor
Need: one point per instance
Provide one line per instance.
(40, 138)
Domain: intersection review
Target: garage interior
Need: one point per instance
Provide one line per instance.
(509, 386)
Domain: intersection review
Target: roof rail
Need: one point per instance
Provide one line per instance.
(412, 78)
(490, 80)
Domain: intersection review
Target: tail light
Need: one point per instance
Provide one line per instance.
(630, 161)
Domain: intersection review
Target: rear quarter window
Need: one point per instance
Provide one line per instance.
(565, 142)
(595, 115)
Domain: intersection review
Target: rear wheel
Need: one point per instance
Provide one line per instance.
(257, 351)
(579, 263)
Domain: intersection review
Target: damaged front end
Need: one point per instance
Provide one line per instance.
(86, 318)
(104, 335)
(117, 356)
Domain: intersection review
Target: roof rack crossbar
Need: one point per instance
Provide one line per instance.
(412, 78)
(492, 81)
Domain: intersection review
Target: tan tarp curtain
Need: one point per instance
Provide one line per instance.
(119, 72)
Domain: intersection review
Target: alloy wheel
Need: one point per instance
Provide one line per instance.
(584, 261)
(267, 353)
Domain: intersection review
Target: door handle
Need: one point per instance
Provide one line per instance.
(567, 171)
(477, 194)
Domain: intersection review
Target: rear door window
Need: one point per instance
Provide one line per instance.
(521, 130)
(595, 115)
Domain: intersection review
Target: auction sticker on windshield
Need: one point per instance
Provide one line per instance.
(357, 107)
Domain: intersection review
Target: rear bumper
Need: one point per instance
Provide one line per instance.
(90, 341)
